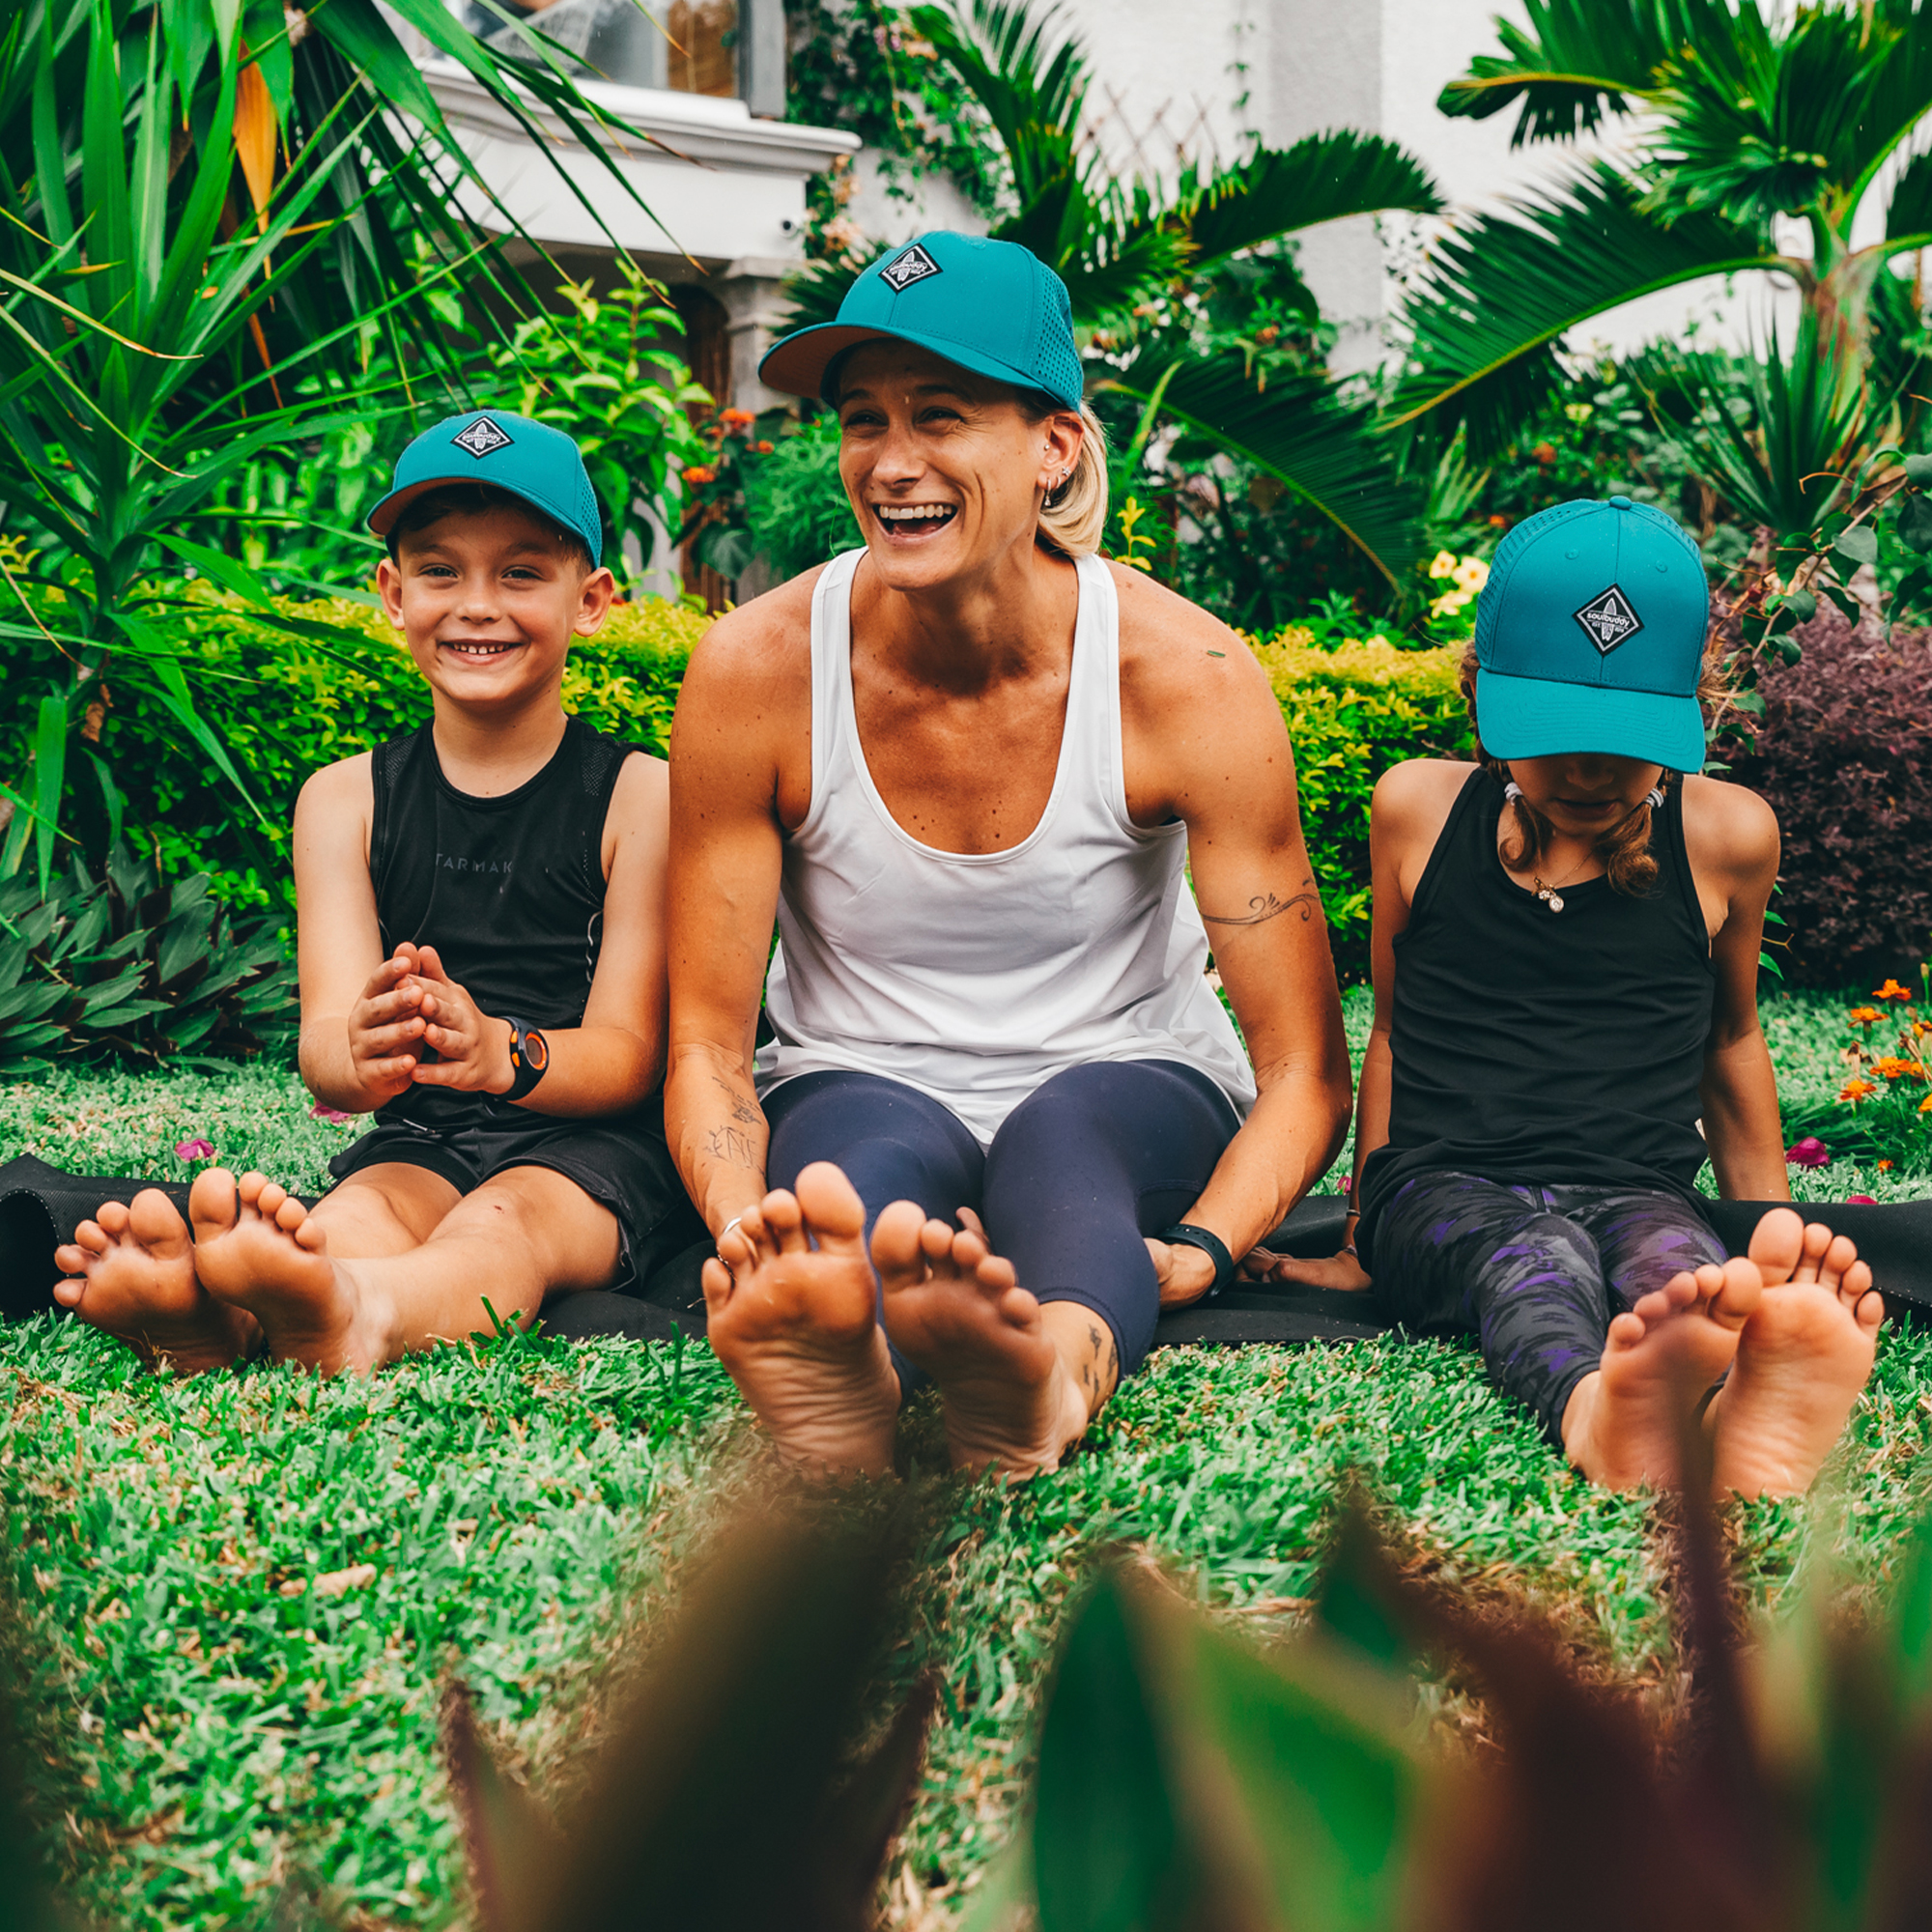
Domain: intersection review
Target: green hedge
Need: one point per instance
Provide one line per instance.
(1353, 712)
(287, 707)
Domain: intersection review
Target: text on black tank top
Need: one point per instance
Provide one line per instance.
(509, 890)
(1545, 1048)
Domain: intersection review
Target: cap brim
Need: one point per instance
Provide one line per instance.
(382, 518)
(797, 364)
(1540, 718)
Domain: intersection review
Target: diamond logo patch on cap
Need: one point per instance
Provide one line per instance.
(1609, 620)
(911, 265)
(481, 437)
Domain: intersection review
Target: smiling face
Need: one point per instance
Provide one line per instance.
(1584, 793)
(488, 601)
(944, 471)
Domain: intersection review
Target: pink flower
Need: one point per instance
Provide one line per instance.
(194, 1151)
(1811, 1152)
(321, 1111)
(1862, 1200)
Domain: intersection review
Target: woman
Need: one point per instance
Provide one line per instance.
(1566, 945)
(1004, 1117)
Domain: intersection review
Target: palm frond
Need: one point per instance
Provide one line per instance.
(1574, 61)
(1757, 124)
(1899, 95)
(1502, 291)
(1323, 447)
(1323, 178)
(1908, 218)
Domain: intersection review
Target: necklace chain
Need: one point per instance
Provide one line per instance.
(1552, 895)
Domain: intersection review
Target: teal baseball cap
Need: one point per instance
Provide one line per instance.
(992, 307)
(529, 459)
(1590, 637)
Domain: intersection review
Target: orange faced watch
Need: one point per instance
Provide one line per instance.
(529, 1057)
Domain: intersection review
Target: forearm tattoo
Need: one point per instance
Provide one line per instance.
(1265, 906)
(735, 1147)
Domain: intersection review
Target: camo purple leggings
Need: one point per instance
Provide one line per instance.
(1536, 1273)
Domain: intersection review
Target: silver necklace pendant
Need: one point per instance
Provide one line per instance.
(1551, 898)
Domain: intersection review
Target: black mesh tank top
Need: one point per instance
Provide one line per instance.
(1545, 1048)
(509, 890)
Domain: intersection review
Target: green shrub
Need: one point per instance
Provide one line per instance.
(286, 706)
(125, 968)
(1353, 712)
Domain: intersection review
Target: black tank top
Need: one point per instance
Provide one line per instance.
(509, 890)
(1545, 1048)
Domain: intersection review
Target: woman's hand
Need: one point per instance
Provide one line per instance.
(472, 1049)
(1343, 1270)
(1184, 1273)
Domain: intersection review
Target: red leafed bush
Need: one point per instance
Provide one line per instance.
(1844, 755)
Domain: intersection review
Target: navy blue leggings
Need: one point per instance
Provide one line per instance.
(1089, 1163)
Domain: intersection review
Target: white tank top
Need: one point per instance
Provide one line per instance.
(976, 975)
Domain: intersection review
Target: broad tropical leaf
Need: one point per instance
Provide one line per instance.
(1503, 290)
(1574, 61)
(1908, 219)
(1324, 178)
(1899, 92)
(1323, 447)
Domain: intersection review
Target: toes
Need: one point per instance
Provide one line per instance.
(1777, 1246)
(110, 1218)
(1811, 1257)
(210, 1203)
(270, 1202)
(291, 1214)
(717, 1287)
(91, 1236)
(155, 1220)
(899, 1244)
(309, 1232)
(783, 1223)
(1840, 1258)
(1627, 1330)
(72, 1260)
(833, 1210)
(1869, 1313)
(997, 1273)
(68, 1293)
(1738, 1290)
(251, 1188)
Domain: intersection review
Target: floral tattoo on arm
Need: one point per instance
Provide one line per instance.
(1265, 906)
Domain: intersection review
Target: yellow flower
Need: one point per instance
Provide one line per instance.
(1449, 603)
(1471, 573)
(1442, 564)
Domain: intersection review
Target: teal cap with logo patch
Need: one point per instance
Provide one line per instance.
(529, 459)
(1590, 637)
(992, 307)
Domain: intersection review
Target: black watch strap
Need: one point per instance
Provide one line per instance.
(1183, 1234)
(529, 1057)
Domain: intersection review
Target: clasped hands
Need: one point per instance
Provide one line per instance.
(410, 1005)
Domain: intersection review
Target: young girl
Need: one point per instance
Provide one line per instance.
(1565, 948)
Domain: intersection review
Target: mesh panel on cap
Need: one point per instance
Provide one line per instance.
(1509, 553)
(1054, 358)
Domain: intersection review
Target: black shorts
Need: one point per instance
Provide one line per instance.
(621, 1162)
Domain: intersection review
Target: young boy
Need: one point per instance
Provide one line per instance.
(482, 957)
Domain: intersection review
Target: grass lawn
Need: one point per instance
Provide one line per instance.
(231, 1602)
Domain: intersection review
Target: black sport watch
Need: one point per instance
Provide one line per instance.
(529, 1057)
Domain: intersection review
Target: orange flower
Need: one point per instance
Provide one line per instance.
(1925, 1105)
(762, 447)
(1860, 1016)
(1856, 1090)
(1885, 1167)
(1894, 1068)
(1892, 991)
(703, 473)
(736, 419)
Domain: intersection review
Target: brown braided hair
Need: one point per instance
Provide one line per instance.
(1625, 848)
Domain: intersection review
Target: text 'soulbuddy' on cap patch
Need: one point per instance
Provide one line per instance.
(481, 437)
(912, 265)
(1609, 620)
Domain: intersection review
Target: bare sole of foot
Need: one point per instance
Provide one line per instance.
(1805, 1356)
(257, 1248)
(793, 1313)
(1625, 1424)
(130, 1272)
(958, 1310)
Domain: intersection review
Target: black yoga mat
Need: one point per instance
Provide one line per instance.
(41, 1206)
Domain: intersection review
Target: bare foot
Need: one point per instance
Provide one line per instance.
(257, 1248)
(793, 1316)
(1625, 1423)
(958, 1310)
(1804, 1356)
(133, 1274)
